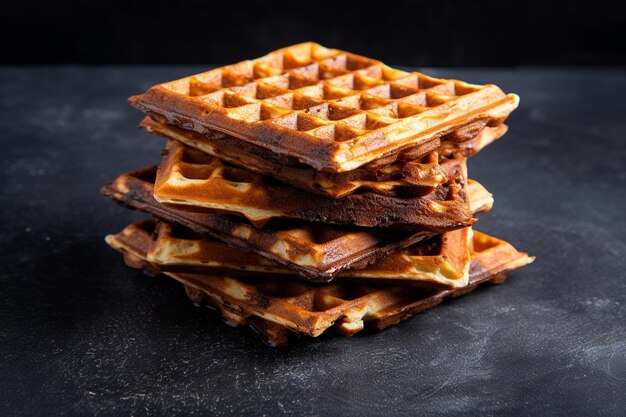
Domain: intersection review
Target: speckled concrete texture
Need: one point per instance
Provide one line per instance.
(81, 334)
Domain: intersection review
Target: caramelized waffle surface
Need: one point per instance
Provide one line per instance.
(332, 110)
(277, 308)
(190, 179)
(315, 251)
(442, 260)
(387, 176)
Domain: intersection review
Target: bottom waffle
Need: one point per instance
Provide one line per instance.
(277, 308)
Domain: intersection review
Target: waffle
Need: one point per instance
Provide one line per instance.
(442, 260)
(387, 176)
(193, 180)
(317, 252)
(277, 308)
(329, 109)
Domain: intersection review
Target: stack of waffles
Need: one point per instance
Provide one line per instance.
(313, 188)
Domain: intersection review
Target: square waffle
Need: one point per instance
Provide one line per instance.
(276, 308)
(387, 176)
(315, 251)
(193, 180)
(332, 110)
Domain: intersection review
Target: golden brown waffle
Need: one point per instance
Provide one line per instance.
(440, 261)
(277, 307)
(387, 176)
(317, 251)
(191, 179)
(330, 109)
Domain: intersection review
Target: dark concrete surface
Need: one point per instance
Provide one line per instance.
(81, 334)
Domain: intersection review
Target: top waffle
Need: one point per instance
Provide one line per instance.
(330, 109)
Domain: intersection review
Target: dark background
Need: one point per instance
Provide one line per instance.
(414, 33)
(82, 334)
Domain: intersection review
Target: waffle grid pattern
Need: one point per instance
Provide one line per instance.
(307, 89)
(311, 94)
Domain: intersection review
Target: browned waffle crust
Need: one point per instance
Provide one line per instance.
(193, 180)
(277, 308)
(392, 175)
(440, 261)
(329, 109)
(317, 252)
